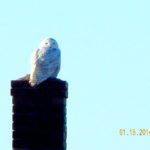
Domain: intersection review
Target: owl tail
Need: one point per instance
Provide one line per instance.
(32, 83)
(32, 80)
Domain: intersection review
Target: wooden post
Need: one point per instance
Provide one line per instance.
(39, 115)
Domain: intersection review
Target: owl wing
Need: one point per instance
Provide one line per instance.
(34, 67)
(45, 63)
(52, 62)
(34, 57)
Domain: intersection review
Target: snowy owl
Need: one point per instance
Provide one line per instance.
(45, 62)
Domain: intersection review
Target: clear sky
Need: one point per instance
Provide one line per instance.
(105, 48)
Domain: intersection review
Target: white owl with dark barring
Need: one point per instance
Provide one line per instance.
(45, 62)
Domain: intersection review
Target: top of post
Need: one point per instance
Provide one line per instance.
(51, 86)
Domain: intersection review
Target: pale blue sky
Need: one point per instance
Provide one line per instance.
(105, 58)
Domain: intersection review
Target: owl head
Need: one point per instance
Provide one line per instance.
(50, 43)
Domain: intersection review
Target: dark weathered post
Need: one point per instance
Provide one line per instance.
(39, 115)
